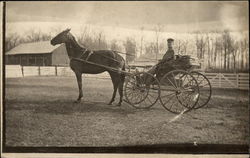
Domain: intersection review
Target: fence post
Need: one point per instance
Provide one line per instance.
(22, 70)
(39, 71)
(220, 80)
(237, 80)
(56, 70)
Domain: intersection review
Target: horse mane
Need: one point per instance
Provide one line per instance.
(74, 42)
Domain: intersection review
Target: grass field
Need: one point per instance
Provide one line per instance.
(40, 111)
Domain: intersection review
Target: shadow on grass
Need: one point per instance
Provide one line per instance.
(68, 107)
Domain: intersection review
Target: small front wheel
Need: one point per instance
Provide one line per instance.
(141, 90)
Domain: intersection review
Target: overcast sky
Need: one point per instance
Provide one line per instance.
(130, 13)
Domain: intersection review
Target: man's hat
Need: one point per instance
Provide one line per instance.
(170, 40)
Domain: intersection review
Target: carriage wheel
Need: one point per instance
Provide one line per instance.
(179, 91)
(205, 89)
(141, 90)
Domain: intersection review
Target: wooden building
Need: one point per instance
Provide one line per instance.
(37, 54)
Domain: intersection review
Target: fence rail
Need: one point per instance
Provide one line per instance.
(218, 80)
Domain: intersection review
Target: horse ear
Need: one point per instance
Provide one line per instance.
(67, 30)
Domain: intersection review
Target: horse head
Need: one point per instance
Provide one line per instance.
(60, 38)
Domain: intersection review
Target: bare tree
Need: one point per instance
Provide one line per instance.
(244, 50)
(130, 47)
(142, 38)
(11, 41)
(84, 33)
(114, 45)
(226, 46)
(178, 45)
(157, 30)
(150, 48)
(234, 50)
(33, 36)
(200, 45)
(181, 46)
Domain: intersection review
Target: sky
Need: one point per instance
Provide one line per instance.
(173, 15)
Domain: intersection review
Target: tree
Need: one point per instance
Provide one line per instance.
(181, 46)
(102, 44)
(85, 39)
(157, 29)
(36, 36)
(234, 49)
(226, 46)
(244, 50)
(11, 41)
(200, 45)
(142, 38)
(150, 48)
(130, 47)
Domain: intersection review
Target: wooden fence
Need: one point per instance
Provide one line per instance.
(218, 80)
(13, 71)
(229, 80)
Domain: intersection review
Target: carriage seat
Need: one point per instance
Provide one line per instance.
(180, 62)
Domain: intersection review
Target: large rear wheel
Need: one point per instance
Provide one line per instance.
(179, 91)
(205, 89)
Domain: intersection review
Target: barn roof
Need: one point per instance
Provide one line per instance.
(33, 48)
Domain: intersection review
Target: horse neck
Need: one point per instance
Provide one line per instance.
(73, 47)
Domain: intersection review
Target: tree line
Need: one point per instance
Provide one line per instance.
(218, 51)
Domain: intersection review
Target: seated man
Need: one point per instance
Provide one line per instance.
(169, 55)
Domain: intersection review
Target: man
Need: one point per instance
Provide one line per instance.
(169, 55)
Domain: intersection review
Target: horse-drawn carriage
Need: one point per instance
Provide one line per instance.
(178, 88)
(174, 83)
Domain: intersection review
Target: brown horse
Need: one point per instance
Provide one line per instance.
(104, 60)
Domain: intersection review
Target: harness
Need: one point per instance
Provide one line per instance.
(90, 53)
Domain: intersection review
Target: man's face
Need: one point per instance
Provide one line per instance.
(170, 44)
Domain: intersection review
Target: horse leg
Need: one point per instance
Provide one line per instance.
(79, 82)
(115, 85)
(120, 89)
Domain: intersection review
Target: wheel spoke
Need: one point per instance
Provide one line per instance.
(169, 100)
(168, 94)
(203, 85)
(174, 79)
(172, 83)
(201, 81)
(149, 100)
(171, 106)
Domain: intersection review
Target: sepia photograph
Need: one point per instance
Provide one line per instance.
(125, 77)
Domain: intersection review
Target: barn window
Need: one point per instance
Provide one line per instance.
(39, 61)
(16, 59)
(32, 61)
(24, 61)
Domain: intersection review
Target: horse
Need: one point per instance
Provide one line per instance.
(103, 60)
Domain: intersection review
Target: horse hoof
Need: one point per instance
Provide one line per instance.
(119, 104)
(110, 103)
(77, 101)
